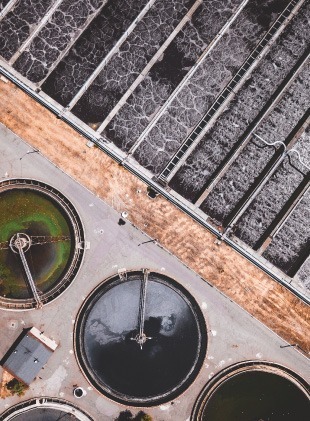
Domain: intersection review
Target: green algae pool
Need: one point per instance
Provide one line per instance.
(35, 214)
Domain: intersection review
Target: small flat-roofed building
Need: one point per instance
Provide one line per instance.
(28, 355)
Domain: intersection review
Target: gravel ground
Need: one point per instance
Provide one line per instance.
(90, 48)
(64, 25)
(293, 240)
(272, 198)
(230, 126)
(236, 184)
(133, 55)
(303, 148)
(303, 275)
(168, 72)
(3, 3)
(15, 28)
(267, 205)
(200, 91)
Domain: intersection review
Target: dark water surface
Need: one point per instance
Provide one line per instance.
(44, 414)
(257, 396)
(165, 363)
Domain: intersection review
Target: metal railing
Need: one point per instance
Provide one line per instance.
(29, 275)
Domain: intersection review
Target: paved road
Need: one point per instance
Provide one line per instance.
(234, 335)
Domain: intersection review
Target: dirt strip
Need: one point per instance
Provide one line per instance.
(220, 265)
(4, 392)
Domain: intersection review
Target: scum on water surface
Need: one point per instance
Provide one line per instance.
(31, 212)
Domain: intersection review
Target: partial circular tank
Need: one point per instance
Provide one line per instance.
(41, 243)
(254, 391)
(45, 409)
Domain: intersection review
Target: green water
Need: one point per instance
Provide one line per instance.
(257, 396)
(33, 213)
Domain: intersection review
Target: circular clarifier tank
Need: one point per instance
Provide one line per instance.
(45, 409)
(41, 239)
(140, 338)
(46, 414)
(254, 392)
